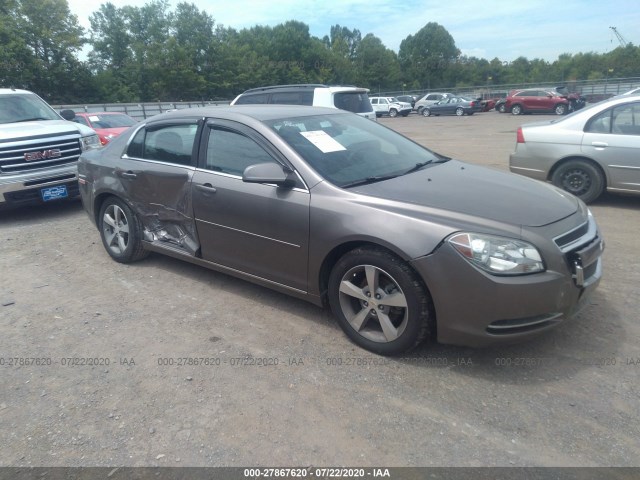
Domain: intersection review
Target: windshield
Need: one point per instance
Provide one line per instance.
(348, 149)
(23, 107)
(110, 121)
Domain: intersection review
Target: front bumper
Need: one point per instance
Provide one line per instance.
(24, 188)
(474, 308)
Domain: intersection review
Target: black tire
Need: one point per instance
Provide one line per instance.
(406, 114)
(426, 112)
(560, 109)
(385, 329)
(517, 110)
(580, 178)
(459, 111)
(121, 231)
(502, 108)
(393, 112)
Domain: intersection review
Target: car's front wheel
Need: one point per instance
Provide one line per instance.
(502, 108)
(426, 112)
(580, 178)
(379, 301)
(393, 112)
(560, 109)
(120, 231)
(516, 110)
(459, 111)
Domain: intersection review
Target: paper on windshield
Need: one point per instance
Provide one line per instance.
(322, 140)
(94, 118)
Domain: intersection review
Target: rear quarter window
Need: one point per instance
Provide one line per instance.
(356, 102)
(253, 99)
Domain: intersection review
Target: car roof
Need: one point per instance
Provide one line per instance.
(244, 112)
(304, 86)
(7, 91)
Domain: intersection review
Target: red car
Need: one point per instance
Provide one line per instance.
(536, 100)
(106, 124)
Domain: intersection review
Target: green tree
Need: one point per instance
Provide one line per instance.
(51, 36)
(377, 66)
(427, 55)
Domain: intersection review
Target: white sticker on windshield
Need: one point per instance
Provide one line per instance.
(323, 141)
(94, 118)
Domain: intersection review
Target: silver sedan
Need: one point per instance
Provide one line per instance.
(587, 152)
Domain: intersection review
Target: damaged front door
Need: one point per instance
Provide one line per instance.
(156, 175)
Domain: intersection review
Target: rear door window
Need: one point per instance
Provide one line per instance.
(356, 102)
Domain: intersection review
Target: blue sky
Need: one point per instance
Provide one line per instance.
(486, 29)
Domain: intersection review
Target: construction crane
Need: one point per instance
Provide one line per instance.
(621, 39)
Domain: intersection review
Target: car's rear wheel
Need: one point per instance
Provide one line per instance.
(120, 231)
(516, 110)
(560, 109)
(393, 112)
(379, 301)
(502, 108)
(426, 112)
(459, 111)
(580, 178)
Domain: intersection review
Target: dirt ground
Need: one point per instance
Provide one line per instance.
(166, 363)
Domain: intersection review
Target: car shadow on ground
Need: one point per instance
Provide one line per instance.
(595, 337)
(592, 338)
(34, 214)
(618, 200)
(269, 298)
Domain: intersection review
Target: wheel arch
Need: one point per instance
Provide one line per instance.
(332, 257)
(515, 104)
(99, 200)
(581, 158)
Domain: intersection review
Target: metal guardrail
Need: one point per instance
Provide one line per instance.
(593, 90)
(138, 111)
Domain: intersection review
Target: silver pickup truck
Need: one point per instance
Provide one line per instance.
(39, 150)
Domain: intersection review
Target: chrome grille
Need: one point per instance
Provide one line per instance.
(12, 156)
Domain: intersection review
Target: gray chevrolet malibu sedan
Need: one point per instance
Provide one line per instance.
(402, 243)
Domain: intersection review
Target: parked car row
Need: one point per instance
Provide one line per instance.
(275, 193)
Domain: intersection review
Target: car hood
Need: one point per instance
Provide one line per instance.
(478, 191)
(111, 131)
(42, 127)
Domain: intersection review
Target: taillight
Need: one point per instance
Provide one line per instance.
(519, 136)
(473, 104)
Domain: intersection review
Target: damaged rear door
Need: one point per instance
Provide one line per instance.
(156, 175)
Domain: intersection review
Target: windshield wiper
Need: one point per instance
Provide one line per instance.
(418, 166)
(368, 180)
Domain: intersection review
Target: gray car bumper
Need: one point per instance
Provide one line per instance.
(474, 308)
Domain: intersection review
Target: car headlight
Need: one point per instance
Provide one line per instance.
(498, 255)
(90, 142)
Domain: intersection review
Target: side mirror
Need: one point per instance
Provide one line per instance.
(68, 114)
(268, 173)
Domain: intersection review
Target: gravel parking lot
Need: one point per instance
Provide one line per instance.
(166, 363)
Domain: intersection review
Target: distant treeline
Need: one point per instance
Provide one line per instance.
(155, 53)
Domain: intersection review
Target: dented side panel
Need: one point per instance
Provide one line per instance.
(161, 197)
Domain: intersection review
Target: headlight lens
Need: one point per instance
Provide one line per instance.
(498, 255)
(90, 142)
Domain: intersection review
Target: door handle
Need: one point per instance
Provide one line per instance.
(207, 187)
(128, 174)
(599, 144)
